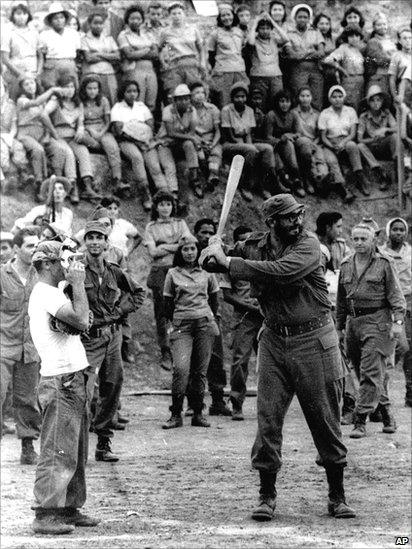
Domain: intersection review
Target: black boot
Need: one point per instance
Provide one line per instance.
(337, 506)
(389, 423)
(361, 182)
(51, 522)
(104, 451)
(359, 430)
(267, 497)
(347, 410)
(28, 455)
(88, 192)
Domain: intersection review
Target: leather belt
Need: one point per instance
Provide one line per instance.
(94, 333)
(361, 311)
(298, 329)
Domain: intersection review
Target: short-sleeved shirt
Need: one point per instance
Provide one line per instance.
(128, 38)
(190, 289)
(308, 121)
(240, 123)
(286, 123)
(121, 232)
(96, 115)
(66, 118)
(167, 231)
(121, 112)
(30, 116)
(208, 116)
(337, 124)
(59, 353)
(22, 44)
(181, 123)
(60, 46)
(369, 124)
(63, 219)
(400, 62)
(181, 41)
(227, 44)
(91, 43)
(350, 58)
(305, 42)
(265, 58)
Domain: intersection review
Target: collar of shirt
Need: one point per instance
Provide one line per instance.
(91, 267)
(197, 269)
(382, 116)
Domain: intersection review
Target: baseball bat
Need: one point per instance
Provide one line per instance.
(233, 179)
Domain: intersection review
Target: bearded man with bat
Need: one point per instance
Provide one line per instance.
(298, 344)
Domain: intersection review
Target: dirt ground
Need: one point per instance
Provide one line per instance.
(194, 487)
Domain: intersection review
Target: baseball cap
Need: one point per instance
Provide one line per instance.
(95, 227)
(281, 204)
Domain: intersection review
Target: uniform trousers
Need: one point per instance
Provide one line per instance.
(368, 346)
(105, 359)
(60, 475)
(36, 151)
(156, 282)
(185, 70)
(110, 147)
(255, 154)
(24, 379)
(308, 365)
(65, 154)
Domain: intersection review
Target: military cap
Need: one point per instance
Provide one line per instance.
(95, 227)
(281, 204)
(48, 250)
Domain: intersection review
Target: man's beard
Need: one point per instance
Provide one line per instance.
(284, 235)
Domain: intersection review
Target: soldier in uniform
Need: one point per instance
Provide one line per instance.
(370, 315)
(298, 346)
(107, 288)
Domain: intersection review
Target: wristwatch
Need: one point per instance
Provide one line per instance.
(398, 322)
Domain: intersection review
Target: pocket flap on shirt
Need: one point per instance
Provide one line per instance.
(328, 340)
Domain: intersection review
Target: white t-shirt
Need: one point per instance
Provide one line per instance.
(59, 353)
(121, 112)
(121, 232)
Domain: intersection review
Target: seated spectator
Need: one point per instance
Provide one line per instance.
(179, 125)
(54, 189)
(376, 133)
(262, 49)
(101, 55)
(303, 51)
(32, 132)
(139, 50)
(237, 123)
(20, 49)
(59, 45)
(225, 55)
(208, 129)
(12, 151)
(282, 131)
(337, 125)
(64, 115)
(378, 52)
(186, 61)
(124, 235)
(133, 124)
(96, 134)
(161, 238)
(348, 60)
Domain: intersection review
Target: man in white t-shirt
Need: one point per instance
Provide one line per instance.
(60, 486)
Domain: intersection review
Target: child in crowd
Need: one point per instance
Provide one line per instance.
(191, 303)
(124, 235)
(59, 45)
(348, 60)
(378, 52)
(139, 50)
(64, 115)
(101, 55)
(20, 49)
(282, 131)
(96, 134)
(208, 129)
(161, 238)
(225, 55)
(262, 49)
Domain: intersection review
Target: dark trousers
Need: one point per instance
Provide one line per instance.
(310, 366)
(244, 341)
(105, 359)
(156, 282)
(192, 342)
(368, 346)
(24, 379)
(60, 474)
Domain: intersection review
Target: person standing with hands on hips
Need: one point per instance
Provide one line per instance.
(298, 346)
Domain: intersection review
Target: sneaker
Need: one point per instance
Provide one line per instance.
(340, 509)
(52, 525)
(219, 409)
(265, 509)
(359, 431)
(28, 455)
(81, 519)
(173, 422)
(104, 451)
(199, 420)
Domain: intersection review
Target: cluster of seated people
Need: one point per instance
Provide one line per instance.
(302, 104)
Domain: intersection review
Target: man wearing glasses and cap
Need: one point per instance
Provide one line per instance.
(298, 346)
(55, 324)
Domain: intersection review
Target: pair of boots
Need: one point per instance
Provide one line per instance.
(337, 506)
(389, 423)
(61, 521)
(175, 420)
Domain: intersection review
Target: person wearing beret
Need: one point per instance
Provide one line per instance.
(298, 346)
